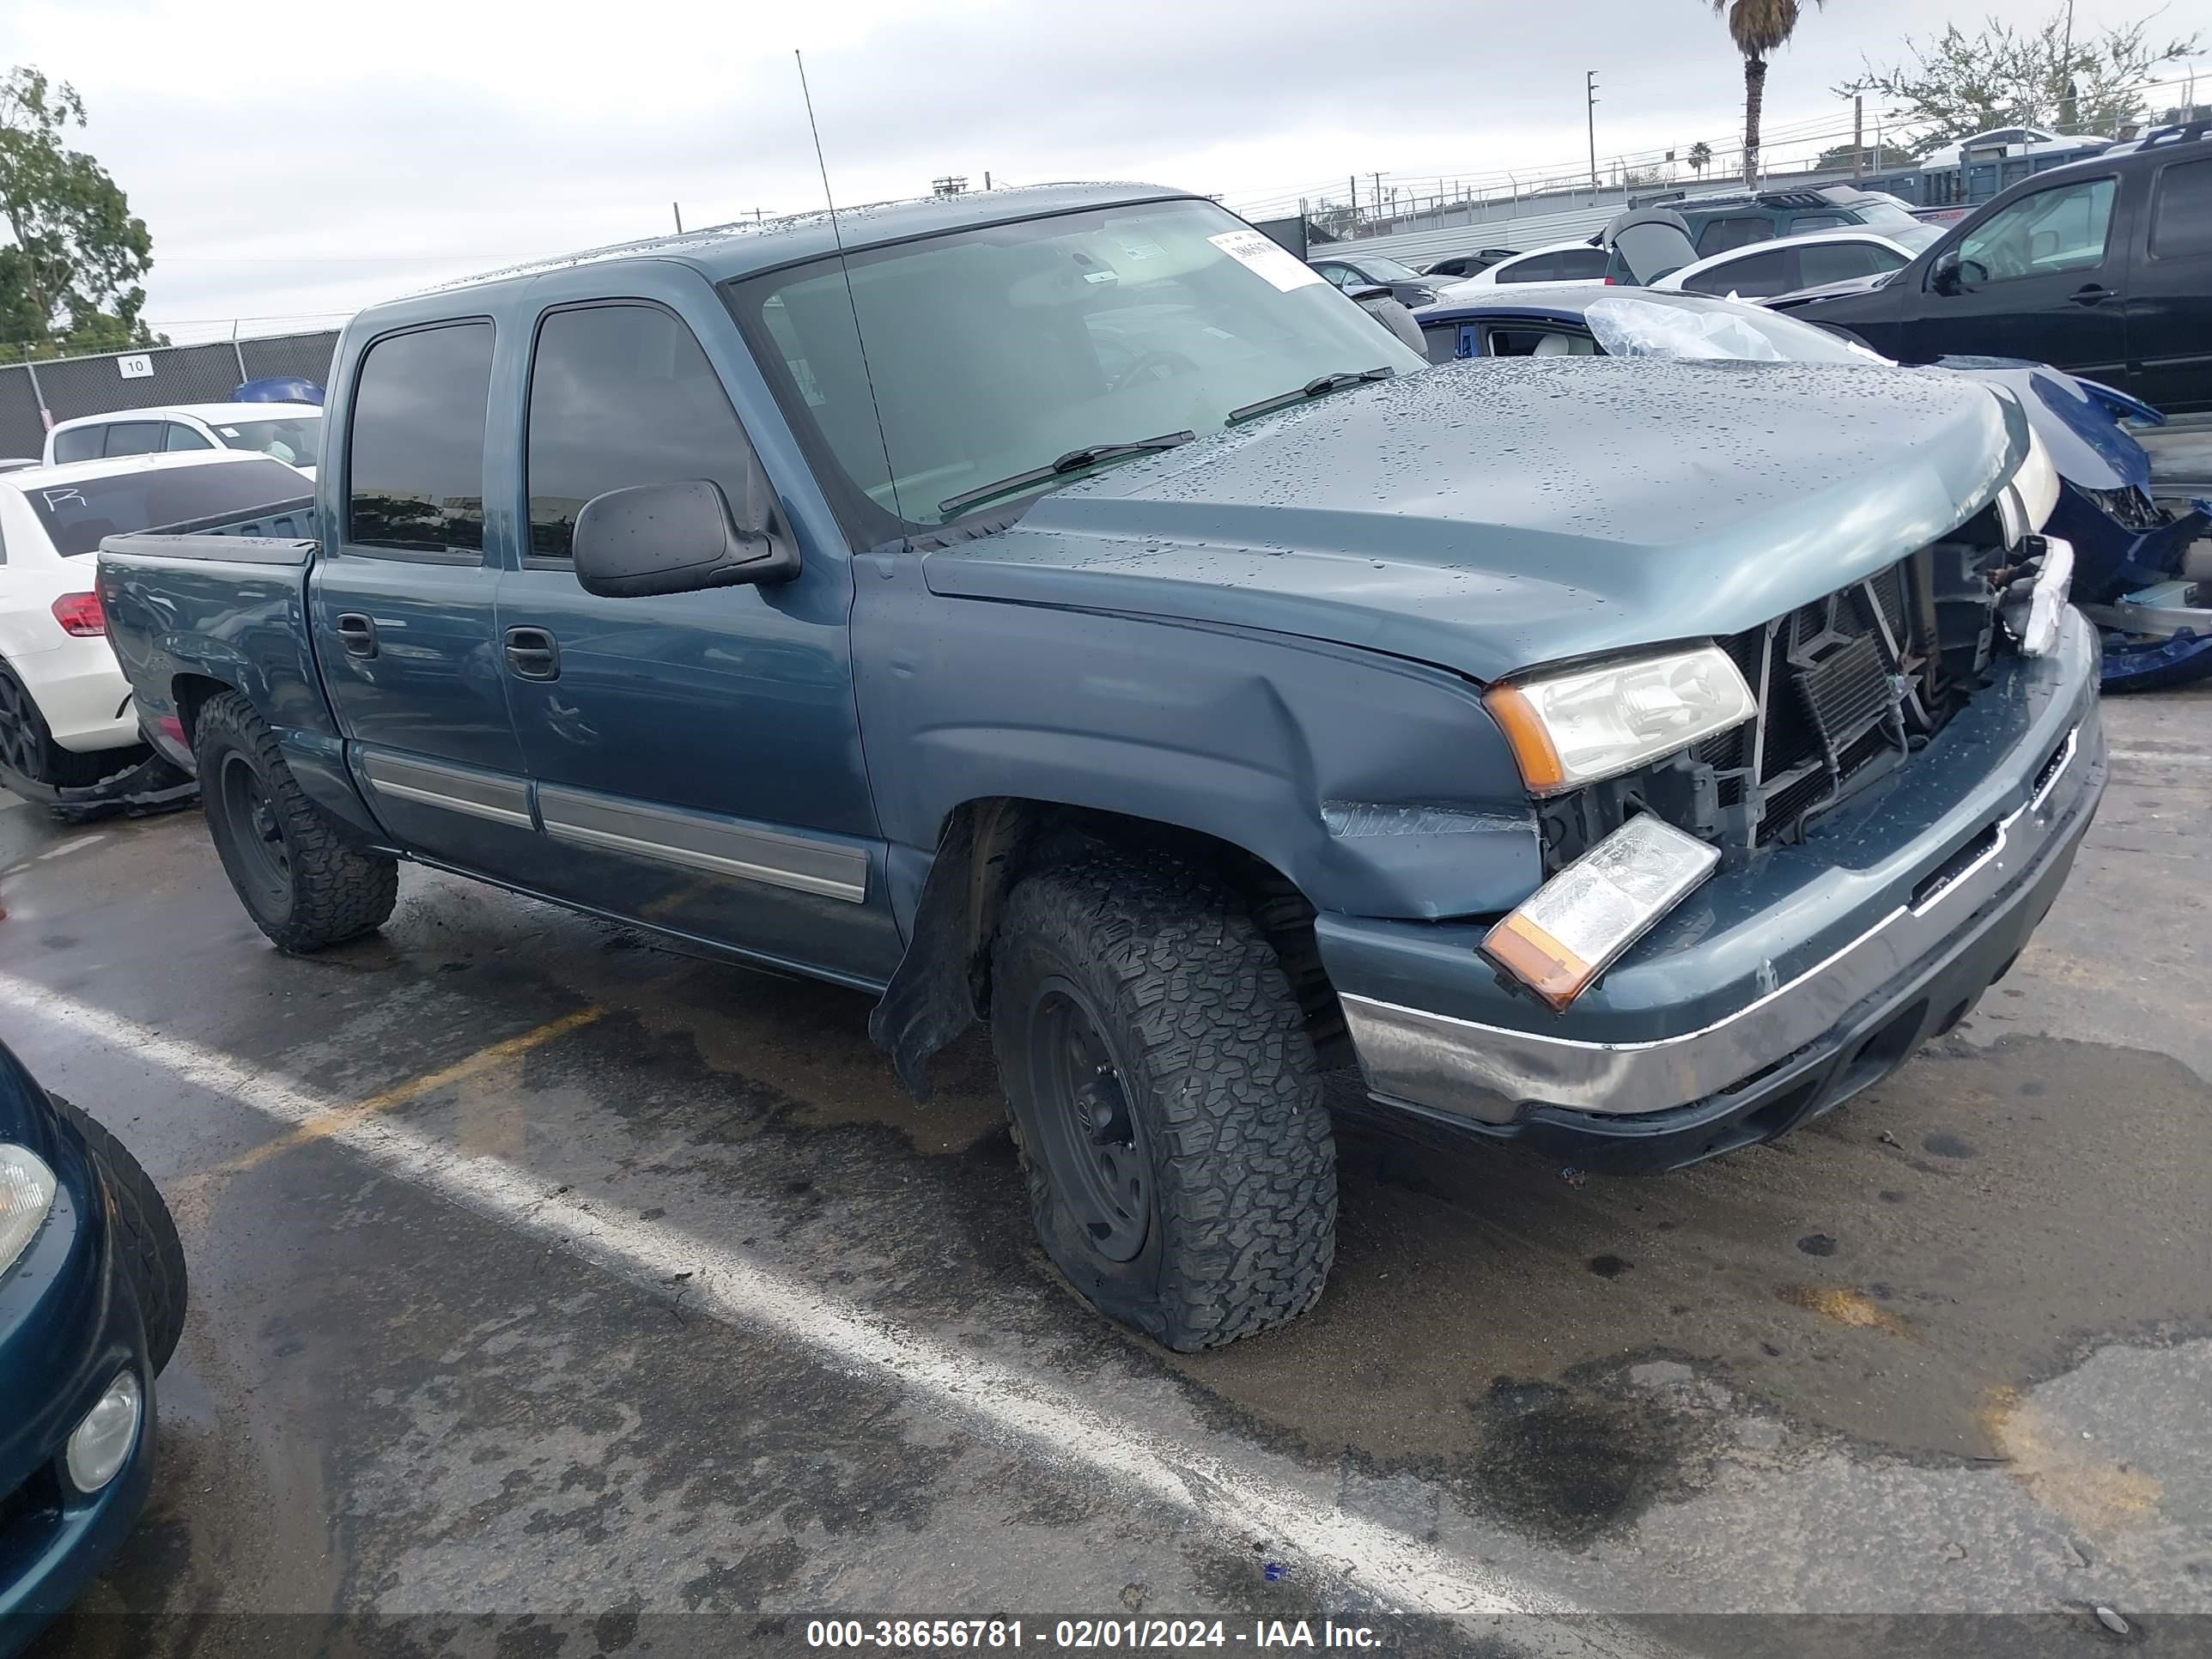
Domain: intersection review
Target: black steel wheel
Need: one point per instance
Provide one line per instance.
(251, 832)
(1093, 1142)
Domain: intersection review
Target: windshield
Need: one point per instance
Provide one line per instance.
(1883, 215)
(1690, 326)
(1387, 271)
(294, 440)
(995, 352)
(76, 515)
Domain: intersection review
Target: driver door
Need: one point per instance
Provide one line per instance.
(2042, 277)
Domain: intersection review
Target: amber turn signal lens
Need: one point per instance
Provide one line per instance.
(1533, 749)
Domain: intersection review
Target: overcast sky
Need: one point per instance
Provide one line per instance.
(312, 158)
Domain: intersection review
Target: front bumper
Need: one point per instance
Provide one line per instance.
(68, 1322)
(1776, 993)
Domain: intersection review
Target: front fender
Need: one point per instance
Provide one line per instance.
(1379, 786)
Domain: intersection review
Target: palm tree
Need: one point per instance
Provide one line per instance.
(1758, 27)
(1700, 157)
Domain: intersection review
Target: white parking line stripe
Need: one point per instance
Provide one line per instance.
(1403, 1571)
(2177, 757)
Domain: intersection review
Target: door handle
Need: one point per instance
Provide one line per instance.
(2090, 293)
(533, 654)
(357, 634)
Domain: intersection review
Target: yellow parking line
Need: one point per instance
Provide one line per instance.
(338, 1119)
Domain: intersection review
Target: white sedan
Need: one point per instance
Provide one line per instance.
(291, 433)
(1759, 270)
(1568, 264)
(65, 714)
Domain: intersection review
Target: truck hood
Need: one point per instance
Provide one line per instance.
(1489, 516)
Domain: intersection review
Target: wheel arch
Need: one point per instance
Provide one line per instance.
(987, 844)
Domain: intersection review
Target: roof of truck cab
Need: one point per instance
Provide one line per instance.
(722, 251)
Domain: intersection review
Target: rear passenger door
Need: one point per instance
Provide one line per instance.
(1751, 276)
(696, 757)
(2169, 304)
(401, 603)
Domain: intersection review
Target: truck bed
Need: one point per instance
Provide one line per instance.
(283, 532)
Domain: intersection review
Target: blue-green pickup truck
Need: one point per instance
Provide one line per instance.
(1061, 607)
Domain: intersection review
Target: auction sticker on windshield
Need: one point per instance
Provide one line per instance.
(1258, 253)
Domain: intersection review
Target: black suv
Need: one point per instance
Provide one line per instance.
(2102, 268)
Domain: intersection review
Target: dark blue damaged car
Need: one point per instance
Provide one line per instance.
(92, 1302)
(1065, 609)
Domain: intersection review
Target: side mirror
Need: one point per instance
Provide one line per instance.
(1944, 278)
(678, 539)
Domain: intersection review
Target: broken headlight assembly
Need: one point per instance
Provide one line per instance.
(1567, 729)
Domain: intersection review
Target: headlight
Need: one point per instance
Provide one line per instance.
(27, 1193)
(2025, 504)
(1567, 729)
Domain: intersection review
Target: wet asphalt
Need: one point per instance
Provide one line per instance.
(1947, 1352)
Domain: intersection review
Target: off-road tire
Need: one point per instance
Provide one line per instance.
(1212, 1056)
(329, 890)
(152, 1256)
(46, 767)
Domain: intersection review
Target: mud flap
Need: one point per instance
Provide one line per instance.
(928, 1002)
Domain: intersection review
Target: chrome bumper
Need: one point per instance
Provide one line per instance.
(1490, 1073)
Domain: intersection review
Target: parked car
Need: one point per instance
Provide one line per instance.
(2129, 549)
(1460, 265)
(290, 433)
(1407, 287)
(2102, 268)
(65, 716)
(92, 1305)
(1719, 223)
(1265, 705)
(1555, 262)
(280, 389)
(1789, 263)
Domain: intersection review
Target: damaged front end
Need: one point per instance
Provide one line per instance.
(146, 783)
(1843, 692)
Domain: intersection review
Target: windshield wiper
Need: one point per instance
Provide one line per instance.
(1313, 388)
(1074, 461)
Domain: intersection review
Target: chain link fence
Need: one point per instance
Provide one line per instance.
(35, 395)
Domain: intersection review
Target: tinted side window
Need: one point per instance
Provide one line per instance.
(1719, 235)
(1836, 262)
(134, 437)
(2181, 213)
(1538, 268)
(2053, 230)
(1755, 274)
(414, 466)
(183, 437)
(622, 395)
(1571, 264)
(80, 443)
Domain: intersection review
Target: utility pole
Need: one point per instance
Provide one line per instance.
(676, 208)
(1589, 113)
(1858, 135)
(1355, 204)
(1375, 195)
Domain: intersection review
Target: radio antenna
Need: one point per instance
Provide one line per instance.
(837, 236)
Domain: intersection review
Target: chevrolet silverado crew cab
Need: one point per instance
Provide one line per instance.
(1063, 607)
